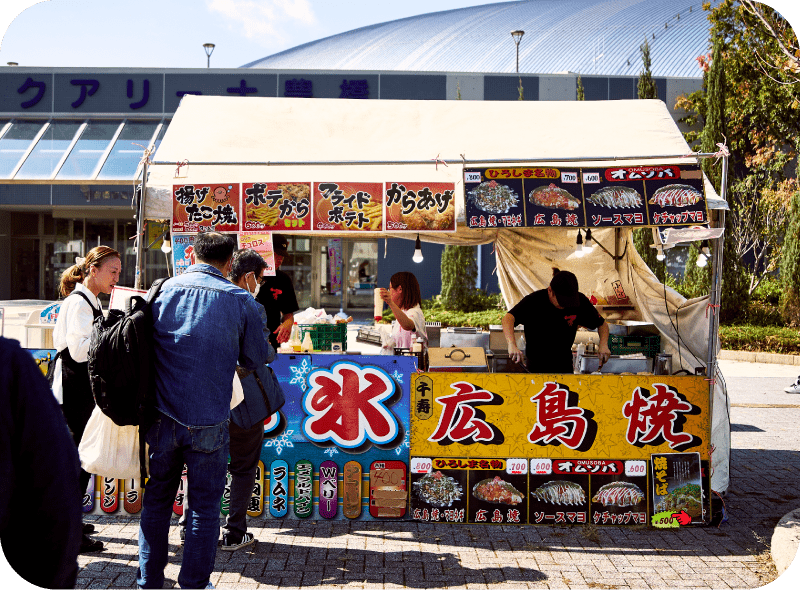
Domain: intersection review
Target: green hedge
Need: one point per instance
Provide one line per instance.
(775, 339)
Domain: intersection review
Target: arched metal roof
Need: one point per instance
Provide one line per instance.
(583, 36)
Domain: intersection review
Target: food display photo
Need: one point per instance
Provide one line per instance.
(348, 206)
(613, 201)
(678, 486)
(618, 500)
(493, 202)
(554, 202)
(497, 497)
(439, 495)
(420, 206)
(558, 499)
(277, 206)
(676, 202)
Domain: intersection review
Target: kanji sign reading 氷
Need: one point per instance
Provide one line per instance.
(277, 206)
(348, 206)
(420, 206)
(557, 416)
(198, 208)
(631, 196)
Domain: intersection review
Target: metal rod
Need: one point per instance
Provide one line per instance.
(438, 160)
(140, 228)
(715, 297)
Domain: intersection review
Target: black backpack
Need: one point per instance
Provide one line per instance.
(121, 364)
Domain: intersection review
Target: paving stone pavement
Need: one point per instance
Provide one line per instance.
(765, 474)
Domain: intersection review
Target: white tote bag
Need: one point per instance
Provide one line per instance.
(109, 450)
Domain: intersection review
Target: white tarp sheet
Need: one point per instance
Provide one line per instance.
(233, 139)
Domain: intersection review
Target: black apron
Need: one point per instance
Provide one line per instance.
(78, 402)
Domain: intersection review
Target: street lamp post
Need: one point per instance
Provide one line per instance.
(209, 48)
(517, 36)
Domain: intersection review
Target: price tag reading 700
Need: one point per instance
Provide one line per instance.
(517, 466)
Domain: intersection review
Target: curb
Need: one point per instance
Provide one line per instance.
(785, 540)
(759, 357)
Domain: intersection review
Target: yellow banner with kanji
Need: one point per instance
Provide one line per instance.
(558, 416)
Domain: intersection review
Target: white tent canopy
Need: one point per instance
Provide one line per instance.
(234, 139)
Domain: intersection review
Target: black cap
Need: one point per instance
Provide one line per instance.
(280, 244)
(565, 288)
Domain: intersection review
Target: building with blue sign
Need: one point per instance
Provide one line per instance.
(71, 140)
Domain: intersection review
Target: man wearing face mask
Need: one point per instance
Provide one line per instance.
(277, 296)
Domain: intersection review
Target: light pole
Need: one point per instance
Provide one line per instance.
(517, 36)
(209, 47)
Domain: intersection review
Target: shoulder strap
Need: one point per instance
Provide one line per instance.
(155, 288)
(96, 312)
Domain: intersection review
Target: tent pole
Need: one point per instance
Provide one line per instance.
(140, 230)
(716, 295)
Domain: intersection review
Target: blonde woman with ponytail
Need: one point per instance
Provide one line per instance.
(81, 284)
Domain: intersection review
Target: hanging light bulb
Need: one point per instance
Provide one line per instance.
(417, 251)
(166, 248)
(705, 253)
(579, 245)
(588, 243)
(660, 256)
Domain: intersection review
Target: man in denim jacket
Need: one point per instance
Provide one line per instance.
(203, 325)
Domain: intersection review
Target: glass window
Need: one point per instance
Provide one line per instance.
(49, 150)
(160, 137)
(90, 147)
(24, 224)
(15, 143)
(125, 155)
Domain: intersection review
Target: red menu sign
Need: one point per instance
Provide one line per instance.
(205, 207)
(348, 206)
(420, 206)
(277, 206)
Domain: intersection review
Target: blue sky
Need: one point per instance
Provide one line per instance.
(166, 33)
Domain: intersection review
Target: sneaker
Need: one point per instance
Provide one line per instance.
(88, 529)
(228, 543)
(90, 545)
(794, 387)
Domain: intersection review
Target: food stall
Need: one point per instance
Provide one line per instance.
(373, 437)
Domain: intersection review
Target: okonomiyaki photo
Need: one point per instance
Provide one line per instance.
(496, 491)
(559, 491)
(438, 489)
(619, 493)
(493, 198)
(553, 197)
(675, 195)
(616, 197)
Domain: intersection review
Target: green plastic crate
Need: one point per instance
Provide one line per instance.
(322, 335)
(650, 346)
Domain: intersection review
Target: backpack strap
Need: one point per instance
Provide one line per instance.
(96, 312)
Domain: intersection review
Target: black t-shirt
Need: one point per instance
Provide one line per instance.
(550, 332)
(277, 296)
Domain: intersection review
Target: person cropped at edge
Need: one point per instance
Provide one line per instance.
(203, 325)
(81, 284)
(551, 318)
(39, 495)
(404, 298)
(277, 296)
(247, 421)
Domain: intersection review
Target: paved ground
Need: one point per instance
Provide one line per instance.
(765, 476)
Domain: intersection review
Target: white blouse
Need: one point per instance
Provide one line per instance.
(74, 325)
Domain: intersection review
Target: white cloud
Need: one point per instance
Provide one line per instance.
(265, 21)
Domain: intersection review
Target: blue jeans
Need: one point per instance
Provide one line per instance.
(204, 450)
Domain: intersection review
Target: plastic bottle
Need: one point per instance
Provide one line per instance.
(308, 345)
(581, 351)
(294, 338)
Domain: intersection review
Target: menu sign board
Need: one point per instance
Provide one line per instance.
(348, 206)
(277, 206)
(261, 242)
(622, 196)
(420, 206)
(205, 207)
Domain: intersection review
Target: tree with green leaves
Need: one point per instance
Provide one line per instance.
(459, 272)
(790, 266)
(757, 118)
(581, 94)
(647, 86)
